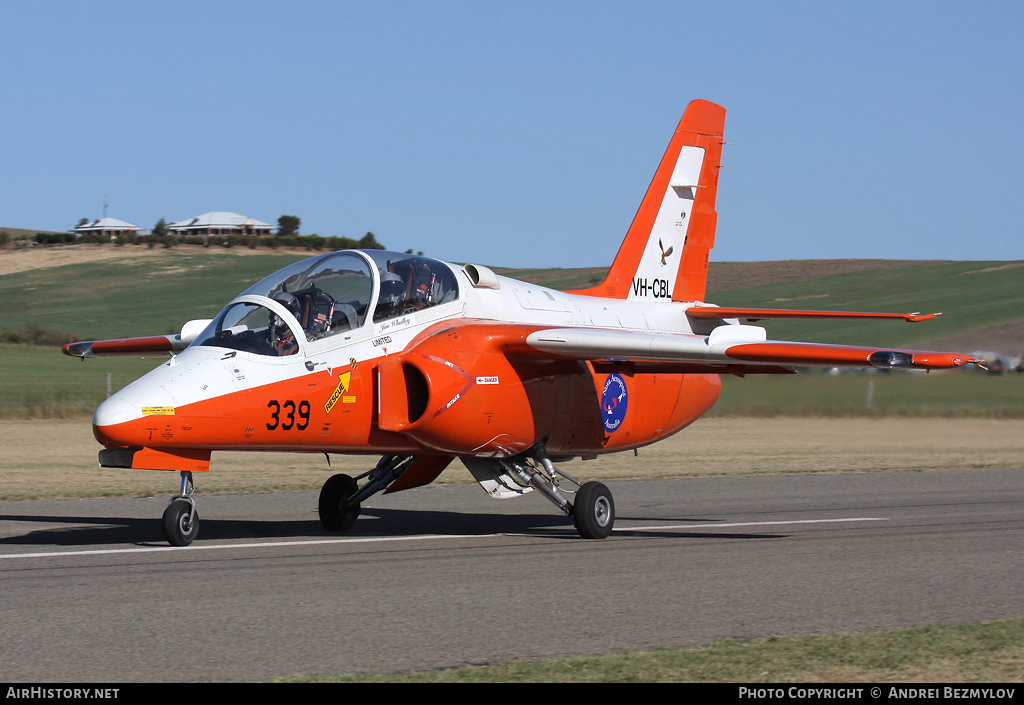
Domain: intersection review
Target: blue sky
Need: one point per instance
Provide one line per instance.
(523, 133)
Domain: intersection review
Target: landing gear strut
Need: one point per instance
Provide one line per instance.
(341, 495)
(180, 522)
(593, 510)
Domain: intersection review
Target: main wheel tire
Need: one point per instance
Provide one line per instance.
(180, 523)
(594, 511)
(333, 514)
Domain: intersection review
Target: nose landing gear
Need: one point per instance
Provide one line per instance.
(180, 522)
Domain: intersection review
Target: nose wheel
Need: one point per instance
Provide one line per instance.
(180, 522)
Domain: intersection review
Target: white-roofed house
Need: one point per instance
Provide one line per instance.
(104, 229)
(211, 226)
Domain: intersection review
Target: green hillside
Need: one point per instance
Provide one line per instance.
(150, 295)
(155, 292)
(970, 295)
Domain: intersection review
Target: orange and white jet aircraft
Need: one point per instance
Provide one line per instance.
(424, 362)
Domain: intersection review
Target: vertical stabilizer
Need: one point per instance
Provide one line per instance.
(665, 254)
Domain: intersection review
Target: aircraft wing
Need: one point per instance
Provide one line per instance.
(126, 347)
(757, 314)
(146, 346)
(726, 347)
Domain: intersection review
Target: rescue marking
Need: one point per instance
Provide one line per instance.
(158, 411)
(344, 380)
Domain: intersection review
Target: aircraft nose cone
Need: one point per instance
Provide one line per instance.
(116, 410)
(115, 421)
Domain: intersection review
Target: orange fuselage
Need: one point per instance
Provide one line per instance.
(455, 390)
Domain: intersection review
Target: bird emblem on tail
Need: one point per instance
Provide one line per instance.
(664, 253)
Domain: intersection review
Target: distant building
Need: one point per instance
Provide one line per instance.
(109, 227)
(219, 224)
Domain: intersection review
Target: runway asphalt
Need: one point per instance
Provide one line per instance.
(445, 576)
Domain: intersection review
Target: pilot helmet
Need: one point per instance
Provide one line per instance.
(289, 302)
(392, 293)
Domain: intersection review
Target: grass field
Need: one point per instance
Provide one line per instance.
(51, 459)
(967, 392)
(988, 653)
(43, 383)
(970, 295)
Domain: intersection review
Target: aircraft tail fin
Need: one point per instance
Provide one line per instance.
(664, 256)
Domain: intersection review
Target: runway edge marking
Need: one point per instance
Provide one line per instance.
(381, 539)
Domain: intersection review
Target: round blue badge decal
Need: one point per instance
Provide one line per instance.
(614, 401)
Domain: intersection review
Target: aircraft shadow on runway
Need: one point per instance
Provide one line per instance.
(87, 531)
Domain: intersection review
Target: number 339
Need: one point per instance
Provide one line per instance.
(287, 421)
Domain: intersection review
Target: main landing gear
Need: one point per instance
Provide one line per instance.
(180, 522)
(341, 495)
(592, 508)
(593, 512)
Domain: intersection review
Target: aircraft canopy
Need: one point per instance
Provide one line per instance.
(328, 295)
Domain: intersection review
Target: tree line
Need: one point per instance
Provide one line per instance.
(287, 235)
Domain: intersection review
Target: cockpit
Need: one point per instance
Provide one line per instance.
(328, 295)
